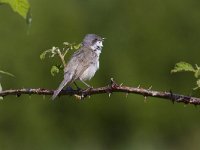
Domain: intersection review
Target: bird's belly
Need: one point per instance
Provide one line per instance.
(89, 72)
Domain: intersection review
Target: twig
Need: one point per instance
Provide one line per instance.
(62, 57)
(111, 88)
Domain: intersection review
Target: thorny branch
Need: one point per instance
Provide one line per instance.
(111, 88)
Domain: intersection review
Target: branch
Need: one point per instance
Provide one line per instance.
(111, 88)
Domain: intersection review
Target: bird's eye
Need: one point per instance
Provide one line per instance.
(94, 41)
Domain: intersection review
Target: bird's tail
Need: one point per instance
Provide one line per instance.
(61, 86)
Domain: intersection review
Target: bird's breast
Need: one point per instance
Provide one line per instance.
(90, 71)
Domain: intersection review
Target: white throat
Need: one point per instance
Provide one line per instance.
(97, 47)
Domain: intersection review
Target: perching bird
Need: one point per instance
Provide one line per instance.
(84, 62)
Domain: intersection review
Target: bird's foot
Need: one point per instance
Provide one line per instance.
(69, 88)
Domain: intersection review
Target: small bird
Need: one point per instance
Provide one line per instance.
(84, 62)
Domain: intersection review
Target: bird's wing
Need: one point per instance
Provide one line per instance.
(84, 62)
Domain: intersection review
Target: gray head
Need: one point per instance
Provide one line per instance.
(91, 39)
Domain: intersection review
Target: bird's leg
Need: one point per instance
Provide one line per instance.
(86, 84)
(78, 88)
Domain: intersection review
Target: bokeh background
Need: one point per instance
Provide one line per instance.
(144, 41)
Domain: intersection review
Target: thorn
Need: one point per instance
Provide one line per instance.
(126, 95)
(109, 95)
(113, 84)
(150, 87)
(145, 99)
(82, 96)
(111, 79)
(138, 86)
(121, 84)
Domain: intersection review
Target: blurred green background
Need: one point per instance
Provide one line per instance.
(144, 41)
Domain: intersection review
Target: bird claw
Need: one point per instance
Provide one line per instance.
(69, 88)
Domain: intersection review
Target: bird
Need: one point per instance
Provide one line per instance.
(83, 64)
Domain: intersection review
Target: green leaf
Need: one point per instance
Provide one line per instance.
(22, 7)
(54, 70)
(77, 46)
(43, 55)
(183, 66)
(6, 73)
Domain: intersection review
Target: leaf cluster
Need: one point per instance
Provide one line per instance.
(61, 53)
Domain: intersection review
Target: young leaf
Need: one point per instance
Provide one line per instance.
(51, 53)
(66, 43)
(197, 73)
(54, 70)
(42, 55)
(77, 46)
(198, 85)
(182, 66)
(6, 73)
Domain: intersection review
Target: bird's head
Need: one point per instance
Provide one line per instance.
(93, 41)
